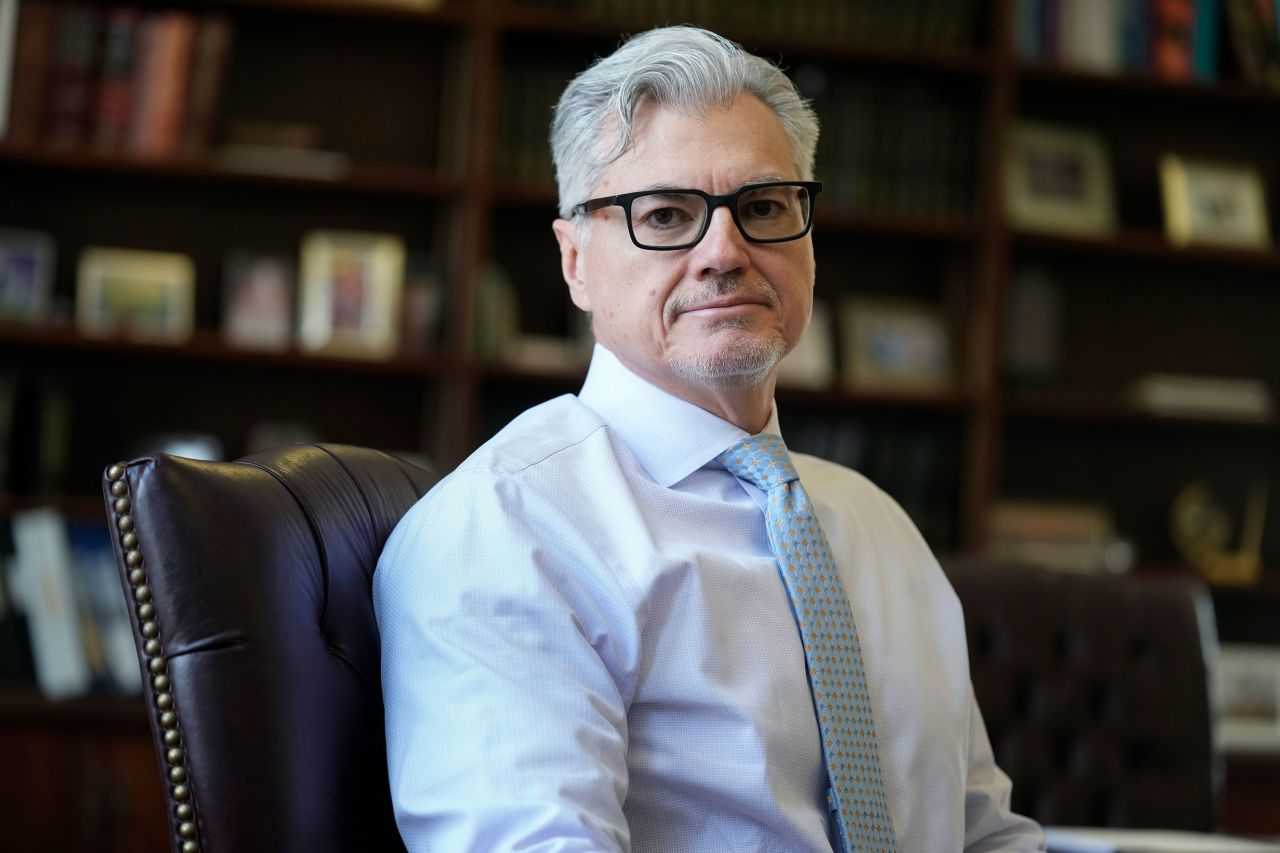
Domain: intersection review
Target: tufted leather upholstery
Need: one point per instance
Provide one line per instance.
(254, 577)
(1095, 693)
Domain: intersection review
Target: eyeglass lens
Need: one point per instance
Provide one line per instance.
(666, 218)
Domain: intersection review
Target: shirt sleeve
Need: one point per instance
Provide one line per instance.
(990, 825)
(504, 675)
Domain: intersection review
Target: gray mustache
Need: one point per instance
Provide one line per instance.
(723, 285)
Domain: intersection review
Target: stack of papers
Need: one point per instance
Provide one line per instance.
(1066, 839)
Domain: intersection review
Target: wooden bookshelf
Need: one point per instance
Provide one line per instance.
(419, 102)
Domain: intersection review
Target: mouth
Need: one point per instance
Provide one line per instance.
(725, 307)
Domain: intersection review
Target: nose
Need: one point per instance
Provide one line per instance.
(723, 249)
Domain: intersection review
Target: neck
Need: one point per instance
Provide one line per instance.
(748, 408)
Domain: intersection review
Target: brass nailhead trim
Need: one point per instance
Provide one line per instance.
(162, 696)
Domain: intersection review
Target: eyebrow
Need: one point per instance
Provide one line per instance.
(759, 179)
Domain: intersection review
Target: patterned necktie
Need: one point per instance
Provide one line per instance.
(830, 638)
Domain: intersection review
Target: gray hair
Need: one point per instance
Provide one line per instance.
(681, 68)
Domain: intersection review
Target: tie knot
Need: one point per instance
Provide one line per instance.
(761, 460)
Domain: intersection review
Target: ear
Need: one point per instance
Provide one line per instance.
(571, 262)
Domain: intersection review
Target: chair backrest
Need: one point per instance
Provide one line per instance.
(249, 585)
(1095, 691)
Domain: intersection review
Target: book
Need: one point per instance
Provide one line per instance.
(36, 20)
(113, 103)
(164, 64)
(68, 102)
(1172, 23)
(8, 58)
(208, 70)
(42, 559)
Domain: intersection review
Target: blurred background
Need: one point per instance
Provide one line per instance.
(1046, 313)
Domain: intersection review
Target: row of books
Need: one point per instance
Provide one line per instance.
(1172, 39)
(116, 78)
(524, 123)
(64, 623)
(895, 147)
(902, 24)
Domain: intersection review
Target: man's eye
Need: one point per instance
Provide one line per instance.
(763, 208)
(663, 216)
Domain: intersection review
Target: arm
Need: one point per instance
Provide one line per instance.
(989, 824)
(506, 727)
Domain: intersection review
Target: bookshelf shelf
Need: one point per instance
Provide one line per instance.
(1128, 86)
(518, 18)
(364, 178)
(1103, 408)
(208, 347)
(1149, 246)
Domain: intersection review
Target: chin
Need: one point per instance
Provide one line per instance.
(743, 360)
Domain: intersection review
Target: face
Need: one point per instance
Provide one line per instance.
(713, 317)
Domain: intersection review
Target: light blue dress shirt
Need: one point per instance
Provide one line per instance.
(587, 647)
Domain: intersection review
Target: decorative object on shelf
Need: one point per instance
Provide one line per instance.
(1214, 203)
(1202, 529)
(1033, 328)
(26, 275)
(894, 345)
(1248, 679)
(351, 288)
(423, 305)
(1217, 397)
(1068, 537)
(1058, 179)
(257, 300)
(144, 295)
(812, 364)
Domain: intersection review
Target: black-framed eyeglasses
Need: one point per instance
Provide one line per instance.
(670, 219)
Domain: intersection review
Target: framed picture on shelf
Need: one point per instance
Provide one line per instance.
(145, 295)
(1059, 179)
(1249, 684)
(26, 275)
(257, 300)
(892, 345)
(1213, 203)
(350, 297)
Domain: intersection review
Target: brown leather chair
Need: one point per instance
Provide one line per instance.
(1095, 692)
(250, 584)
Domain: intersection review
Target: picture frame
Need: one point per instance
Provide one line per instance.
(1217, 203)
(139, 294)
(257, 300)
(894, 345)
(26, 275)
(1248, 685)
(1058, 179)
(351, 286)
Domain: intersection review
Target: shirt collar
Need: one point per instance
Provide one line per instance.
(669, 436)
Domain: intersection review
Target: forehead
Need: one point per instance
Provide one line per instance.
(716, 150)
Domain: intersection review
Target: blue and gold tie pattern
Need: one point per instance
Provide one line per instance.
(830, 639)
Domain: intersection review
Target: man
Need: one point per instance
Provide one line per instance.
(601, 632)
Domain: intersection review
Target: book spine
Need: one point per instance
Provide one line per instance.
(70, 94)
(30, 69)
(208, 70)
(1205, 40)
(1171, 39)
(114, 102)
(162, 84)
(8, 58)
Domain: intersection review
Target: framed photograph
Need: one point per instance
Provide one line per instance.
(145, 295)
(351, 287)
(1249, 688)
(890, 344)
(1213, 203)
(257, 300)
(26, 275)
(1059, 179)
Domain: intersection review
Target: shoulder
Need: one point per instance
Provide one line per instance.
(550, 433)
